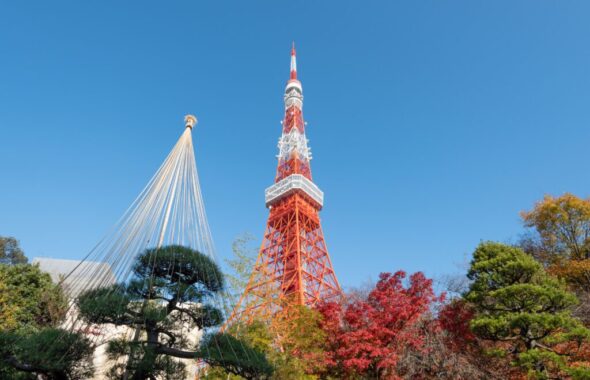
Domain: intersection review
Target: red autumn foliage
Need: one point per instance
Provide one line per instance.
(454, 318)
(367, 336)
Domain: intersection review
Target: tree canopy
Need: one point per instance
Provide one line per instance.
(31, 343)
(518, 303)
(54, 353)
(172, 292)
(560, 240)
(522, 313)
(562, 225)
(241, 264)
(10, 251)
(366, 336)
(29, 298)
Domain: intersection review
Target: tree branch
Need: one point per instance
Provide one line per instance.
(20, 366)
(177, 353)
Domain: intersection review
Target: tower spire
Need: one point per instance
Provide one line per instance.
(293, 62)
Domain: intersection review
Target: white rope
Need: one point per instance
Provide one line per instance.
(169, 210)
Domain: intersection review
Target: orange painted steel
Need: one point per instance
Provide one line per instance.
(293, 266)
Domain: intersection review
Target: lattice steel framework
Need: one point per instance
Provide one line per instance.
(293, 265)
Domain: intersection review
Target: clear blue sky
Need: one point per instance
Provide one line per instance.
(433, 123)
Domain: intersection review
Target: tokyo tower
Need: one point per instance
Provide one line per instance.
(293, 266)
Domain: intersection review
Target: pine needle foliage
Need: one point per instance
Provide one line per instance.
(519, 304)
(171, 296)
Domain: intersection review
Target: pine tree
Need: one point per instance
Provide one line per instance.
(519, 304)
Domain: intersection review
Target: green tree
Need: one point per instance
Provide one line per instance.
(293, 342)
(300, 343)
(257, 336)
(516, 302)
(30, 298)
(10, 251)
(171, 292)
(8, 309)
(31, 344)
(561, 227)
(560, 239)
(241, 265)
(52, 353)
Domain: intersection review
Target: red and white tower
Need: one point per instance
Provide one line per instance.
(293, 265)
